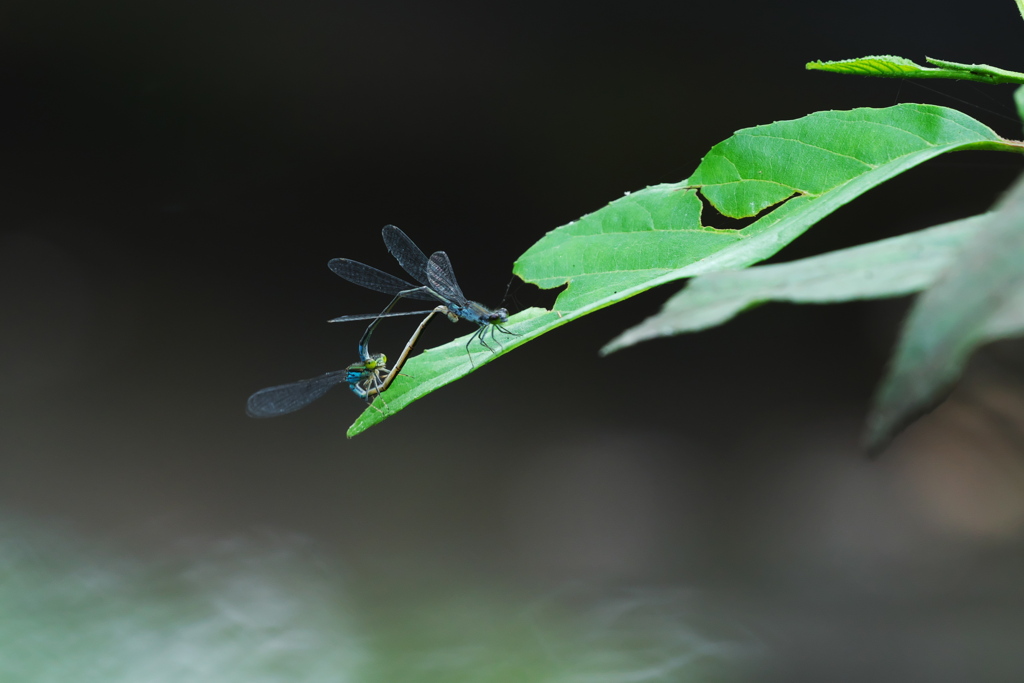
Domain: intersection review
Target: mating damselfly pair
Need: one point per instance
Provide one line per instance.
(370, 377)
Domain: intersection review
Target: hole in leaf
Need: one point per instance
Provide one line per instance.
(522, 295)
(713, 218)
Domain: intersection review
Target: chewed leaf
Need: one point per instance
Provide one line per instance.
(812, 166)
(892, 267)
(819, 154)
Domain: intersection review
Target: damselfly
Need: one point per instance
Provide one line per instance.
(438, 284)
(367, 379)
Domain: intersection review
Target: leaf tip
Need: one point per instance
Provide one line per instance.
(875, 439)
(617, 344)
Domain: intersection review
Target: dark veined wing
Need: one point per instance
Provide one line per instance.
(288, 398)
(405, 251)
(377, 280)
(441, 278)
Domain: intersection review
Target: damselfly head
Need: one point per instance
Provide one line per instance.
(376, 362)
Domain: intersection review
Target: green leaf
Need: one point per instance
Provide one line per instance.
(889, 66)
(875, 65)
(980, 298)
(892, 267)
(806, 168)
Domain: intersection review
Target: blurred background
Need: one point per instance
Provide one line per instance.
(175, 177)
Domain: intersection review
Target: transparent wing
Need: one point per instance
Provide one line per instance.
(367, 276)
(405, 251)
(288, 398)
(441, 278)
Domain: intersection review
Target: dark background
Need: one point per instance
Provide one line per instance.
(175, 177)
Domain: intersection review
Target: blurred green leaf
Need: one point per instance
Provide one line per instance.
(980, 298)
(892, 267)
(270, 609)
(890, 66)
(1018, 100)
(808, 167)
